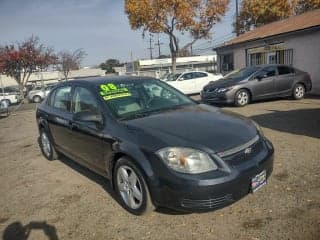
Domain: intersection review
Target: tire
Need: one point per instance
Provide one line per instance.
(299, 92)
(131, 188)
(46, 146)
(7, 101)
(242, 98)
(36, 99)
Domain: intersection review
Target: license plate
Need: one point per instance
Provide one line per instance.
(259, 181)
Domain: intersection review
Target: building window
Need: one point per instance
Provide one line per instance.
(270, 57)
(226, 62)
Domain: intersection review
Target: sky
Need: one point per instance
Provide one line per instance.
(100, 27)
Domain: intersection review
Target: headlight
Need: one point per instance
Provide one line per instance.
(187, 160)
(259, 129)
(222, 90)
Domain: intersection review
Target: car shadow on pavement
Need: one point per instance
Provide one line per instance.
(102, 181)
(105, 183)
(16, 231)
(300, 122)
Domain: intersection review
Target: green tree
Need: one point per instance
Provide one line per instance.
(109, 65)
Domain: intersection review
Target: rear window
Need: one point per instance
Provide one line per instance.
(62, 98)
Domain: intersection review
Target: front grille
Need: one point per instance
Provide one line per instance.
(243, 155)
(208, 203)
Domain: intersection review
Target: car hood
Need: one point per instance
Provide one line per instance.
(223, 83)
(200, 126)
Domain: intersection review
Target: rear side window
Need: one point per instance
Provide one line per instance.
(200, 74)
(84, 100)
(285, 70)
(62, 99)
(188, 76)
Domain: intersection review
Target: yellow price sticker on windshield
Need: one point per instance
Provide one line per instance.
(111, 91)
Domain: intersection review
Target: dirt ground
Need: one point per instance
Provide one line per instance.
(61, 200)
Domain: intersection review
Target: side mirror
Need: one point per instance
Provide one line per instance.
(260, 77)
(88, 116)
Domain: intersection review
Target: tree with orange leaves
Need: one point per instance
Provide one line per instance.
(254, 13)
(196, 17)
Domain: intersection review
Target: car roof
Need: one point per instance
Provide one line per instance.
(100, 80)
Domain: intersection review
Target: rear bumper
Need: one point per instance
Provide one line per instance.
(210, 194)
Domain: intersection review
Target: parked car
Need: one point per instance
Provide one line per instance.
(191, 82)
(258, 82)
(158, 147)
(39, 93)
(10, 95)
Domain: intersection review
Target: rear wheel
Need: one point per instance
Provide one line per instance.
(36, 99)
(242, 98)
(298, 91)
(46, 146)
(131, 188)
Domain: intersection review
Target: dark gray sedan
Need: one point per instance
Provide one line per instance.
(258, 82)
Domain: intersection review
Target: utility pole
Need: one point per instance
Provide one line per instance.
(151, 48)
(237, 18)
(159, 45)
(191, 50)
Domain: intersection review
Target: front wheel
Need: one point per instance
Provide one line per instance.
(7, 102)
(131, 188)
(242, 98)
(298, 91)
(36, 99)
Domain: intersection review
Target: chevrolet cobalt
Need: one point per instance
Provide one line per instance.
(158, 147)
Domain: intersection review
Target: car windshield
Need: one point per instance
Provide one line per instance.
(242, 73)
(139, 98)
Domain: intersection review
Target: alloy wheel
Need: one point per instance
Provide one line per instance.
(299, 91)
(243, 98)
(45, 144)
(129, 187)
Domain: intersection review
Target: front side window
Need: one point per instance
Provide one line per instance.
(284, 70)
(62, 98)
(131, 99)
(84, 100)
(266, 72)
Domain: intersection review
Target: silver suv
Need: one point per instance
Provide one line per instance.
(39, 93)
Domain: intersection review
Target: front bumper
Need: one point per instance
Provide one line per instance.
(214, 97)
(202, 193)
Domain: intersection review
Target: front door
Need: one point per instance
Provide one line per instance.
(186, 83)
(263, 83)
(87, 136)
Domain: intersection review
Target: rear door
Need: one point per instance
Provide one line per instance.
(284, 80)
(60, 118)
(263, 83)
